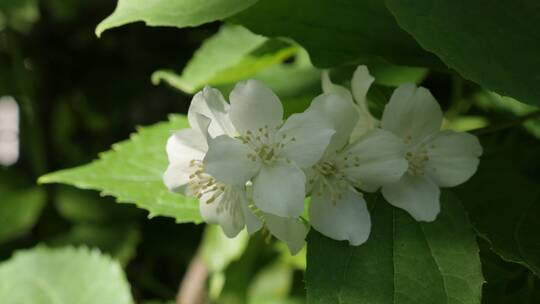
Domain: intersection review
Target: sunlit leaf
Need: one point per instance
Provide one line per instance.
(132, 172)
(179, 13)
(232, 54)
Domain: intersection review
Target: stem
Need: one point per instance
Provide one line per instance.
(506, 125)
(192, 287)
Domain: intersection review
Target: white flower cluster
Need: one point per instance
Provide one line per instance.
(250, 168)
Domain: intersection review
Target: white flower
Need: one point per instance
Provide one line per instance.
(267, 151)
(360, 84)
(220, 203)
(436, 158)
(337, 208)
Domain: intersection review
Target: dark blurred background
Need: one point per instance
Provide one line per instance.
(78, 95)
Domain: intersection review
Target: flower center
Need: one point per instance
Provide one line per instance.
(326, 168)
(417, 160)
(265, 144)
(205, 188)
(331, 181)
(201, 184)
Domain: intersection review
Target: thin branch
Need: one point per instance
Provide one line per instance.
(506, 125)
(192, 287)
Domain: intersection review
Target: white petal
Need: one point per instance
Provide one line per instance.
(227, 214)
(417, 195)
(204, 124)
(227, 161)
(360, 84)
(176, 177)
(412, 112)
(453, 158)
(210, 103)
(253, 223)
(289, 230)
(280, 189)
(186, 145)
(254, 106)
(376, 159)
(306, 137)
(329, 87)
(341, 113)
(346, 219)
(365, 123)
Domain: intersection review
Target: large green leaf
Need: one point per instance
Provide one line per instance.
(67, 275)
(132, 172)
(336, 33)
(179, 13)
(19, 210)
(506, 282)
(402, 262)
(233, 54)
(503, 198)
(493, 43)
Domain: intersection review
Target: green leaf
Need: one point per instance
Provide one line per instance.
(494, 44)
(66, 275)
(396, 75)
(233, 54)
(132, 172)
(272, 284)
(492, 101)
(503, 198)
(507, 283)
(19, 210)
(218, 251)
(402, 262)
(336, 33)
(295, 83)
(179, 13)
